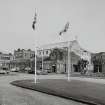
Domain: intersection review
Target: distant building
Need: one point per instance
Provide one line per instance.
(23, 58)
(77, 53)
(23, 54)
(98, 60)
(5, 60)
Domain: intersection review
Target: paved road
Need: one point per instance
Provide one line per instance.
(12, 95)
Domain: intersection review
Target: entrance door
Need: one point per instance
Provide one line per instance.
(54, 68)
(97, 68)
(75, 68)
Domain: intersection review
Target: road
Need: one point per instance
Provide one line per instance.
(12, 95)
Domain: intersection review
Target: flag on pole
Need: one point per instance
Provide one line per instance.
(33, 27)
(34, 22)
(65, 29)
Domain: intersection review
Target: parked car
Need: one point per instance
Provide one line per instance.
(27, 68)
(15, 69)
(48, 71)
(39, 72)
(3, 72)
(44, 72)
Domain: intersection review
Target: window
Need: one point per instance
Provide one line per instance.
(43, 52)
(39, 52)
(46, 52)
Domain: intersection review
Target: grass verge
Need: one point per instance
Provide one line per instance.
(85, 92)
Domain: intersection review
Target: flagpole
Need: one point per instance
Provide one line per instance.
(33, 26)
(69, 51)
(35, 66)
(69, 60)
(42, 59)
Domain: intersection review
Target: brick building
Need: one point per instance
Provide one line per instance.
(5, 60)
(23, 58)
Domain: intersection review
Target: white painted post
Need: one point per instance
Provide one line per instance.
(69, 60)
(35, 65)
(42, 58)
(98, 69)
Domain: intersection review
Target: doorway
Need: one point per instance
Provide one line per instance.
(97, 68)
(54, 68)
(75, 68)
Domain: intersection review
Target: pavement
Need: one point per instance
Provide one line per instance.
(12, 95)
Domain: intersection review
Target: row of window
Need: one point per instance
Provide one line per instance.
(43, 52)
(5, 58)
(21, 55)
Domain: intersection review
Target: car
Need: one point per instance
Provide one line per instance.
(39, 72)
(4, 71)
(48, 71)
(44, 72)
(27, 68)
(15, 69)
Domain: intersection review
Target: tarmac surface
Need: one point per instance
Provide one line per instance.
(12, 95)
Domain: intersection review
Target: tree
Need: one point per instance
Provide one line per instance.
(82, 65)
(56, 54)
(29, 49)
(18, 49)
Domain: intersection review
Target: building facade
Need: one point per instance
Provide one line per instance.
(60, 66)
(23, 54)
(23, 58)
(98, 60)
(5, 60)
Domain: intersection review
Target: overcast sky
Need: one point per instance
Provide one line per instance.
(87, 19)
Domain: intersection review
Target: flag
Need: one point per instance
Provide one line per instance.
(65, 28)
(34, 22)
